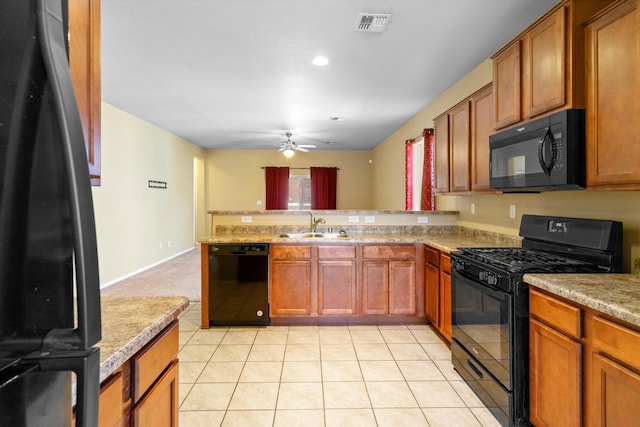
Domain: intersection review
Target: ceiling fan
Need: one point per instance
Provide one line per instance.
(288, 146)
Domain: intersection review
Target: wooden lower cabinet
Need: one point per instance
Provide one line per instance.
(325, 280)
(445, 296)
(583, 366)
(144, 391)
(388, 279)
(438, 290)
(159, 408)
(555, 364)
(290, 273)
(337, 280)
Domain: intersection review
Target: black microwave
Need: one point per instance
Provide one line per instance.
(541, 155)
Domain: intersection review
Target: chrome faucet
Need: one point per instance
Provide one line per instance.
(313, 224)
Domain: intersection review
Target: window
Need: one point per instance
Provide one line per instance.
(299, 192)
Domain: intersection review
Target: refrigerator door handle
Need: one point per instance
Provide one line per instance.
(54, 54)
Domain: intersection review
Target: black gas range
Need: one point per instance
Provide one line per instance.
(490, 302)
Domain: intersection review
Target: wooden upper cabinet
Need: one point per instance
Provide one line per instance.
(481, 128)
(441, 131)
(84, 61)
(544, 55)
(543, 69)
(507, 72)
(613, 98)
(459, 141)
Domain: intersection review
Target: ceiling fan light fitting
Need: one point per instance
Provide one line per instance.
(288, 153)
(320, 61)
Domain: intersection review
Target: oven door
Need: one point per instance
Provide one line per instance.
(482, 324)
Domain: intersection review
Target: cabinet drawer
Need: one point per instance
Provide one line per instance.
(388, 252)
(336, 252)
(445, 263)
(149, 364)
(618, 341)
(290, 252)
(556, 313)
(432, 256)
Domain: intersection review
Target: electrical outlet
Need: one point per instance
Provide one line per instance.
(369, 219)
(512, 211)
(354, 219)
(423, 220)
(259, 202)
(473, 208)
(246, 219)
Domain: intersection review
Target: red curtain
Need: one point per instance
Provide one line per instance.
(277, 180)
(428, 192)
(408, 176)
(323, 187)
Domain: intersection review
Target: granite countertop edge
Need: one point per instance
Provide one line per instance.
(614, 294)
(445, 242)
(142, 318)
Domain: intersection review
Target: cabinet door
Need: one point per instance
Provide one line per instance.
(545, 59)
(506, 80)
(290, 288)
(459, 140)
(402, 287)
(159, 407)
(110, 407)
(616, 393)
(441, 136)
(613, 99)
(432, 303)
(445, 303)
(555, 369)
(84, 61)
(481, 128)
(336, 287)
(375, 287)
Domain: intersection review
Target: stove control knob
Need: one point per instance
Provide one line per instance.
(460, 265)
(491, 279)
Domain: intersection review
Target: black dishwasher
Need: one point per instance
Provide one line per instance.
(239, 284)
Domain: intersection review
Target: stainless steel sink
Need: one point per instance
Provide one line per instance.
(313, 235)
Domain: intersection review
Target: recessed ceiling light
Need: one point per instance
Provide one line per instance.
(320, 61)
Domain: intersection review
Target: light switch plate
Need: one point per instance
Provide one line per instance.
(473, 208)
(512, 211)
(354, 219)
(246, 219)
(423, 220)
(369, 219)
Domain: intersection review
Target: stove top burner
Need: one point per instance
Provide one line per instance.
(527, 260)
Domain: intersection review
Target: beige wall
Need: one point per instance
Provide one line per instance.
(235, 178)
(132, 219)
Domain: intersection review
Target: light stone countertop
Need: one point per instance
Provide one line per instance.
(444, 241)
(617, 295)
(129, 323)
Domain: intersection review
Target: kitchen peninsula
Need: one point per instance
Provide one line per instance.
(138, 360)
(376, 274)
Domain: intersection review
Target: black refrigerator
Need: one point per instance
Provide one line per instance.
(49, 284)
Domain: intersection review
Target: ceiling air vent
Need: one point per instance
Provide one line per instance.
(372, 22)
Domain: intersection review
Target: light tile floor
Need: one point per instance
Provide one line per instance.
(322, 376)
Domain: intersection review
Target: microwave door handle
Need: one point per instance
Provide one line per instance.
(541, 146)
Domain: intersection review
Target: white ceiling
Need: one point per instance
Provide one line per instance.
(237, 74)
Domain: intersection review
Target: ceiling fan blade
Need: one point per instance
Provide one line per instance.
(307, 146)
(282, 148)
(299, 148)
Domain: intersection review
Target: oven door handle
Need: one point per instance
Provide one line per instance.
(482, 287)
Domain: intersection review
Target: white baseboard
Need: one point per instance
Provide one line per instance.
(120, 279)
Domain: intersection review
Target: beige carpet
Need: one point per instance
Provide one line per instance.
(178, 276)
